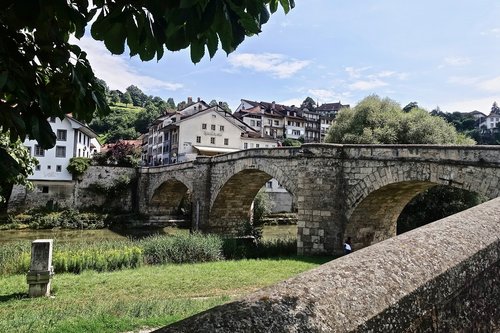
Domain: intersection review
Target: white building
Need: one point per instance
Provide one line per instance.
(490, 122)
(74, 139)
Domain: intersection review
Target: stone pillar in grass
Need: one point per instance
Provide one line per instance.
(41, 270)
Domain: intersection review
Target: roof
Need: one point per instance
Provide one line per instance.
(331, 106)
(81, 126)
(207, 150)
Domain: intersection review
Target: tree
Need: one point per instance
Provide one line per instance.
(43, 75)
(114, 97)
(376, 120)
(138, 97)
(171, 103)
(127, 99)
(308, 103)
(19, 164)
(495, 109)
(120, 154)
(410, 106)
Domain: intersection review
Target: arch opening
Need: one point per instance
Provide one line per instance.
(172, 199)
(402, 206)
(232, 208)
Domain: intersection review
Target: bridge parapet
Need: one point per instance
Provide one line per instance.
(442, 277)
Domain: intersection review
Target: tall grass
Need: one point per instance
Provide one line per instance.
(181, 249)
(111, 255)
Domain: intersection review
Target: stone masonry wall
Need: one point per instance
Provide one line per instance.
(443, 277)
(79, 194)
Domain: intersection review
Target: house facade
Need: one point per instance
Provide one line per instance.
(74, 139)
(199, 130)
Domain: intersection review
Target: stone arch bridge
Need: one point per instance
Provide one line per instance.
(354, 190)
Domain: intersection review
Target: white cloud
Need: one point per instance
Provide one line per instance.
(115, 70)
(491, 85)
(495, 32)
(481, 104)
(456, 61)
(277, 65)
(355, 73)
(367, 84)
(322, 94)
(292, 101)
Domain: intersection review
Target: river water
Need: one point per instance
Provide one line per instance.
(281, 231)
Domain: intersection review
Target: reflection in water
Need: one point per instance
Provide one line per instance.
(282, 231)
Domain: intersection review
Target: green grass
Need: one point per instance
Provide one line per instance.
(149, 296)
(122, 106)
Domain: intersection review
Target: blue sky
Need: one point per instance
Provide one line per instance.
(439, 53)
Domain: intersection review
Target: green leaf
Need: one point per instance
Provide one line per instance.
(115, 38)
(3, 78)
(197, 51)
(273, 5)
(212, 44)
(188, 3)
(286, 5)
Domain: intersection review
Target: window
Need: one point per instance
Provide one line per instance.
(257, 145)
(80, 137)
(198, 139)
(226, 142)
(252, 122)
(270, 121)
(60, 151)
(58, 168)
(39, 151)
(212, 141)
(276, 123)
(203, 126)
(245, 145)
(52, 119)
(269, 184)
(258, 123)
(212, 127)
(79, 153)
(44, 189)
(61, 135)
(38, 167)
(49, 167)
(221, 127)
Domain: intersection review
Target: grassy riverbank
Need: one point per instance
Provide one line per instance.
(148, 296)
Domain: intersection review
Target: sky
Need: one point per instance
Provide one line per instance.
(442, 53)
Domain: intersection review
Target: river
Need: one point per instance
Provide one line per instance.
(281, 231)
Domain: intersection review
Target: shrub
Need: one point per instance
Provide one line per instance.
(78, 165)
(182, 248)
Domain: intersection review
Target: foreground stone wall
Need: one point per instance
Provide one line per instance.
(442, 277)
(80, 194)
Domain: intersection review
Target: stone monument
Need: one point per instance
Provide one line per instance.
(41, 270)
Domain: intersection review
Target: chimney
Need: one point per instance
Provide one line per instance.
(177, 117)
(220, 104)
(190, 100)
(199, 100)
(273, 106)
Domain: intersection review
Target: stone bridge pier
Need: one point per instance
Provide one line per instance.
(341, 190)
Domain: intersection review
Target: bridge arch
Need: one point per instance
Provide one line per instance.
(380, 197)
(167, 197)
(234, 193)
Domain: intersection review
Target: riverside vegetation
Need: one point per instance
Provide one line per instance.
(126, 285)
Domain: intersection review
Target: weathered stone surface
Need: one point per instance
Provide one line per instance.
(442, 277)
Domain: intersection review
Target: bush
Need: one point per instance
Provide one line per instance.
(182, 248)
(78, 165)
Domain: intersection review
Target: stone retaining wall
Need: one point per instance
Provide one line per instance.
(442, 277)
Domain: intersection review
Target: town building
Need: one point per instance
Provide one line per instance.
(328, 112)
(51, 177)
(199, 129)
(490, 122)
